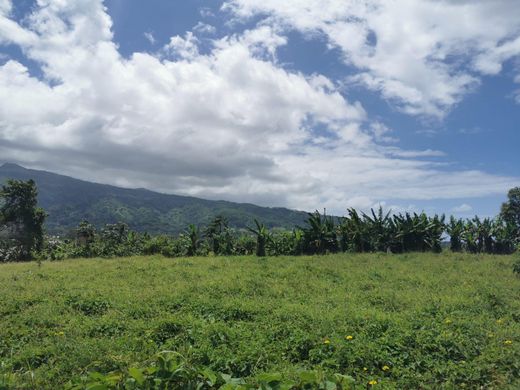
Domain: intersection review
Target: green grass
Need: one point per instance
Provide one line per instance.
(436, 321)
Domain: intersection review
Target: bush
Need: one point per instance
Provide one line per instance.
(54, 249)
(88, 306)
(516, 267)
(10, 252)
(178, 247)
(171, 371)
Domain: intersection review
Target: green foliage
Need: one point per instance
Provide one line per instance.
(171, 370)
(376, 231)
(319, 237)
(155, 245)
(217, 232)
(516, 267)
(193, 235)
(262, 237)
(455, 228)
(88, 306)
(21, 221)
(358, 232)
(510, 210)
(245, 244)
(380, 232)
(487, 236)
(85, 239)
(407, 321)
(55, 249)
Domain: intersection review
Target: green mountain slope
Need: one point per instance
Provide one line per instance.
(68, 201)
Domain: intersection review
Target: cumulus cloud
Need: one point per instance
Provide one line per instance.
(228, 123)
(422, 55)
(184, 48)
(5, 7)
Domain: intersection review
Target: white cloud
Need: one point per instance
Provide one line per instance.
(5, 7)
(417, 153)
(381, 133)
(422, 55)
(263, 41)
(149, 37)
(185, 48)
(204, 28)
(229, 123)
(206, 12)
(463, 208)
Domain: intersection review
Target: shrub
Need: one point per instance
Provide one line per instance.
(171, 371)
(88, 306)
(516, 267)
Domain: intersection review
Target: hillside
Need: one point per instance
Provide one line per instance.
(68, 201)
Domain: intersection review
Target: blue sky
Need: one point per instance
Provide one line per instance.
(414, 105)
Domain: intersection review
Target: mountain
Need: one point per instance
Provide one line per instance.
(68, 201)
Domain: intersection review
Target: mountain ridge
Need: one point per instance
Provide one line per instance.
(68, 201)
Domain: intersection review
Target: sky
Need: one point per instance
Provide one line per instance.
(308, 104)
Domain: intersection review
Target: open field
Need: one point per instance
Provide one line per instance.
(405, 321)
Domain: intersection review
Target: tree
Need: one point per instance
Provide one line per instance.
(510, 210)
(262, 236)
(193, 235)
(217, 231)
(21, 216)
(85, 238)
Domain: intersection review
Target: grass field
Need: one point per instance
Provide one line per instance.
(403, 321)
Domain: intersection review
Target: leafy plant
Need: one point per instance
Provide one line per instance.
(171, 370)
(21, 220)
(319, 237)
(516, 267)
(193, 235)
(262, 236)
(455, 228)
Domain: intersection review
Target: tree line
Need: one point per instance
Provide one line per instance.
(22, 235)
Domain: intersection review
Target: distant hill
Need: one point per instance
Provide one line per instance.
(69, 201)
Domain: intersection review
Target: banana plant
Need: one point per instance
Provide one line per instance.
(455, 229)
(320, 235)
(355, 232)
(217, 230)
(262, 236)
(380, 230)
(298, 237)
(470, 237)
(193, 234)
(434, 232)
